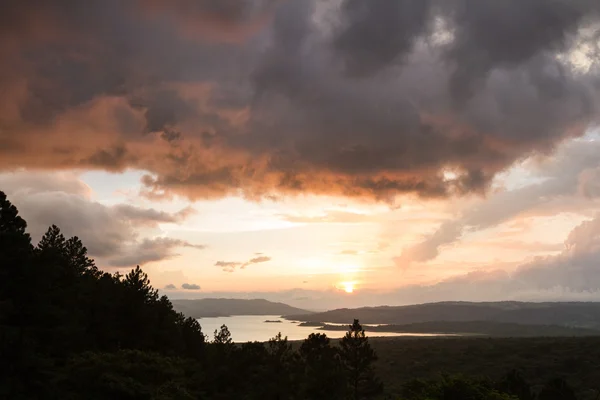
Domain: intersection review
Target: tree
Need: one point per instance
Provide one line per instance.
(223, 336)
(514, 383)
(357, 357)
(321, 368)
(15, 250)
(557, 389)
(223, 342)
(280, 367)
(18, 302)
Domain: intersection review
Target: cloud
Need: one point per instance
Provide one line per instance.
(190, 286)
(261, 98)
(170, 286)
(149, 250)
(110, 233)
(258, 260)
(565, 182)
(151, 216)
(571, 274)
(227, 20)
(230, 266)
(430, 248)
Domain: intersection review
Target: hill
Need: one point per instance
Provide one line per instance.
(205, 308)
(575, 315)
(478, 328)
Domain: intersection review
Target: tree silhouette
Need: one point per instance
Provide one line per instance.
(222, 337)
(514, 383)
(322, 370)
(223, 343)
(357, 357)
(557, 389)
(17, 346)
(280, 367)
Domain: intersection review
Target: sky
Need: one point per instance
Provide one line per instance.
(323, 153)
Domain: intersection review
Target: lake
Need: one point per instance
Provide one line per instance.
(250, 328)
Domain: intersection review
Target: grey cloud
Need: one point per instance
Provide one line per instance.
(589, 183)
(509, 33)
(151, 216)
(574, 269)
(264, 98)
(190, 286)
(430, 248)
(374, 34)
(149, 250)
(563, 179)
(109, 233)
(170, 286)
(228, 13)
(228, 266)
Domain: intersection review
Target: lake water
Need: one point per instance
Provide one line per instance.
(250, 328)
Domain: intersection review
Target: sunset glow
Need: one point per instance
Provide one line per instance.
(289, 150)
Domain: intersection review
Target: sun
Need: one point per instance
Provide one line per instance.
(348, 287)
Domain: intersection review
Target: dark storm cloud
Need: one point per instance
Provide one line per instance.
(262, 98)
(376, 33)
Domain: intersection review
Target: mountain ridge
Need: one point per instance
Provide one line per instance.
(568, 314)
(224, 307)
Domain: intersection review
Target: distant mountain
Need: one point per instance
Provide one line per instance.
(203, 308)
(575, 315)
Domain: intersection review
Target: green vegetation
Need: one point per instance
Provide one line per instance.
(70, 331)
(539, 360)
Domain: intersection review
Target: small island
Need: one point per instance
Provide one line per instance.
(312, 324)
(273, 321)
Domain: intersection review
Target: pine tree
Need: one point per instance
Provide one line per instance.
(280, 366)
(322, 370)
(357, 357)
(15, 248)
(223, 342)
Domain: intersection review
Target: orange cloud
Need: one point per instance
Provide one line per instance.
(114, 86)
